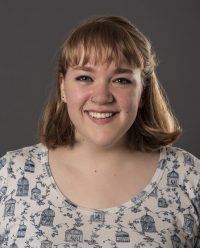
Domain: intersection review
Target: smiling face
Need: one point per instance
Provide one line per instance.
(102, 101)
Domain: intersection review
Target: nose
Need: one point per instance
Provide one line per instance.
(102, 94)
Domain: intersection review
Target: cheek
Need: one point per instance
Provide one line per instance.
(75, 98)
(130, 103)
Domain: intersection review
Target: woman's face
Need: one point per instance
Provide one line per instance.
(102, 101)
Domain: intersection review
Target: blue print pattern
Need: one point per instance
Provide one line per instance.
(34, 212)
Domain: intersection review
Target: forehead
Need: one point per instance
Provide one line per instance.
(93, 61)
(99, 56)
(109, 67)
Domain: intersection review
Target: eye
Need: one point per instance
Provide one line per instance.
(84, 78)
(122, 81)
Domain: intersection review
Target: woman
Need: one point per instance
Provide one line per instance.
(105, 173)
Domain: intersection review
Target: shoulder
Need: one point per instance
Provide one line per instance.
(186, 168)
(17, 162)
(182, 157)
(27, 150)
(33, 152)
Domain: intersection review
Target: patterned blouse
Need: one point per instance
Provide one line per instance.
(35, 213)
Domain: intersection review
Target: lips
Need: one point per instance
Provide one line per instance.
(100, 114)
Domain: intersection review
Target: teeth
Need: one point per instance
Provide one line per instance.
(100, 115)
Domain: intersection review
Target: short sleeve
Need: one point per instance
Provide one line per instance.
(196, 178)
(3, 175)
(188, 167)
(3, 161)
(196, 200)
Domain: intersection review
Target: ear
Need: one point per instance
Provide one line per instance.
(61, 81)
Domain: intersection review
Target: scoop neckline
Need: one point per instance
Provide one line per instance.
(135, 200)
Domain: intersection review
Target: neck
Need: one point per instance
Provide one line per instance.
(101, 158)
(91, 149)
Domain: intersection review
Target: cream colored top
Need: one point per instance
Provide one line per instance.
(35, 213)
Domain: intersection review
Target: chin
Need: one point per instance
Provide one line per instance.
(102, 140)
(107, 143)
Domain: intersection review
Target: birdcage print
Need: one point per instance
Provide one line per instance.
(2, 163)
(70, 205)
(47, 217)
(9, 209)
(176, 242)
(198, 190)
(188, 159)
(98, 216)
(74, 235)
(172, 179)
(122, 236)
(46, 244)
(35, 194)
(13, 245)
(3, 190)
(22, 187)
(162, 203)
(148, 224)
(188, 223)
(2, 237)
(29, 166)
(154, 193)
(21, 231)
(162, 163)
(46, 170)
(196, 203)
(137, 199)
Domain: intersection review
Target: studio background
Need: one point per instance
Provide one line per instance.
(31, 33)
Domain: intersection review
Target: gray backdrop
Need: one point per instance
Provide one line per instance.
(32, 31)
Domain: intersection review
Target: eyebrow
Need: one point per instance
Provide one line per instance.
(90, 69)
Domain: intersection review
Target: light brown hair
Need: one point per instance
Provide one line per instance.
(109, 37)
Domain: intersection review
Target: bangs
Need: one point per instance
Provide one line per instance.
(100, 42)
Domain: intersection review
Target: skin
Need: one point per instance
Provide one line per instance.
(100, 171)
(99, 88)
